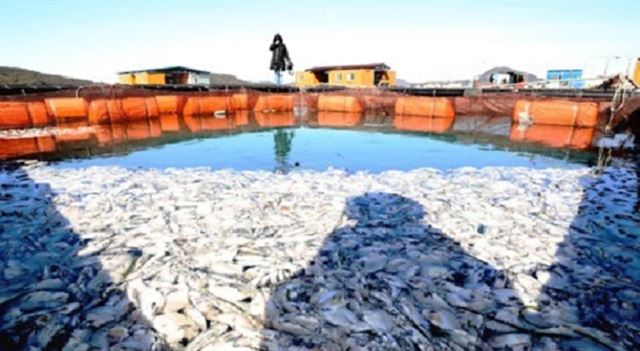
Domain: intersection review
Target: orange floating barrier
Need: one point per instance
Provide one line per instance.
(14, 115)
(372, 102)
(422, 123)
(554, 136)
(169, 123)
(38, 113)
(338, 119)
(206, 105)
(277, 119)
(138, 108)
(240, 101)
(338, 103)
(169, 104)
(274, 102)
(425, 106)
(103, 111)
(67, 108)
(556, 112)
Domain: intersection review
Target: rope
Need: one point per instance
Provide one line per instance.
(617, 102)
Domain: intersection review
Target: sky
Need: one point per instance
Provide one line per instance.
(421, 40)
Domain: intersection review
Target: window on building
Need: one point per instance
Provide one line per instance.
(338, 76)
(351, 76)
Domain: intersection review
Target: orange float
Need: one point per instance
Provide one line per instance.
(338, 103)
(240, 101)
(276, 119)
(376, 103)
(14, 114)
(556, 112)
(422, 124)
(425, 106)
(38, 113)
(139, 108)
(274, 102)
(338, 119)
(554, 136)
(103, 111)
(206, 105)
(169, 104)
(17, 114)
(67, 108)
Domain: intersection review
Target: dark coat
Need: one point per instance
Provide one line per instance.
(280, 60)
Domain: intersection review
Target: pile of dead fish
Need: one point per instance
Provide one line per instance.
(194, 259)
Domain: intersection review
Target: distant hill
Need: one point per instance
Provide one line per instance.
(402, 83)
(528, 77)
(223, 78)
(15, 75)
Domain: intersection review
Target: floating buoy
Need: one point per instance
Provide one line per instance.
(274, 103)
(18, 114)
(425, 106)
(240, 101)
(67, 108)
(139, 108)
(556, 112)
(338, 103)
(102, 111)
(169, 104)
(205, 105)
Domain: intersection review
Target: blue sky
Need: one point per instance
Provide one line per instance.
(422, 40)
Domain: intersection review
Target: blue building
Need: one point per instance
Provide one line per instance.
(567, 78)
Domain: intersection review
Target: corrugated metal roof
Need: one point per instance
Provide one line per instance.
(376, 66)
(170, 69)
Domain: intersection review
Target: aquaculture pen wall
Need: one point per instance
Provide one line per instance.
(111, 104)
(113, 115)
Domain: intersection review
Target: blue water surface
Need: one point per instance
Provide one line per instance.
(319, 149)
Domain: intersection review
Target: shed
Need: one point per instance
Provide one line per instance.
(565, 78)
(373, 74)
(167, 75)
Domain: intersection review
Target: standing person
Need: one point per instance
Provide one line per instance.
(280, 60)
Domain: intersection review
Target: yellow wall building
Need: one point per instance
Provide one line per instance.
(168, 75)
(376, 74)
(636, 73)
